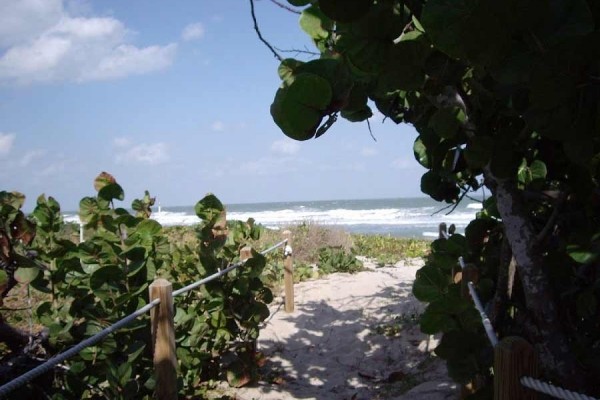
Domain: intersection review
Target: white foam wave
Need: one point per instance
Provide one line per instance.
(401, 217)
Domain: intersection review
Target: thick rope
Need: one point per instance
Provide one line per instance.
(552, 390)
(59, 358)
(487, 324)
(526, 381)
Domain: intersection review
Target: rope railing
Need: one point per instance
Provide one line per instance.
(487, 324)
(527, 381)
(61, 357)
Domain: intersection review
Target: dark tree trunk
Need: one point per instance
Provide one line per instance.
(548, 335)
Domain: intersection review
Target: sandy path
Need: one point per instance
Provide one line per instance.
(351, 337)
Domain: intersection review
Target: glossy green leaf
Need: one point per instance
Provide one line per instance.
(479, 151)
(13, 199)
(287, 70)
(209, 208)
(430, 284)
(299, 3)
(420, 152)
(316, 24)
(299, 108)
(26, 275)
(107, 274)
(345, 10)
(112, 191)
(445, 123)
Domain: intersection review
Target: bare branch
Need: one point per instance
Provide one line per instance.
(297, 51)
(277, 56)
(285, 7)
(370, 131)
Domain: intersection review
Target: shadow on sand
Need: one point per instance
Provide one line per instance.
(345, 344)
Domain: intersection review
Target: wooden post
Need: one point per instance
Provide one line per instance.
(163, 338)
(245, 253)
(470, 273)
(514, 357)
(288, 273)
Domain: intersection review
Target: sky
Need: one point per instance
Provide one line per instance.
(172, 97)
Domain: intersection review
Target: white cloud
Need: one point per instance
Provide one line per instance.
(43, 43)
(53, 169)
(285, 146)
(193, 31)
(368, 152)
(30, 156)
(121, 142)
(401, 163)
(144, 153)
(217, 126)
(23, 19)
(6, 143)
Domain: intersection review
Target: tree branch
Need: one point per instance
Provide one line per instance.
(285, 7)
(277, 56)
(557, 358)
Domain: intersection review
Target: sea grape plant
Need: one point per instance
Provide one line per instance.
(499, 100)
(92, 284)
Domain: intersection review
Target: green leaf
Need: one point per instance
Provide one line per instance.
(315, 23)
(102, 180)
(88, 210)
(420, 152)
(26, 275)
(445, 123)
(357, 115)
(299, 108)
(147, 229)
(476, 30)
(298, 3)
(3, 280)
(209, 208)
(287, 70)
(345, 10)
(13, 199)
(430, 284)
(109, 273)
(111, 191)
(479, 151)
(581, 255)
(437, 318)
(238, 374)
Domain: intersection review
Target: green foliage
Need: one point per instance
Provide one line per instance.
(497, 98)
(332, 259)
(92, 284)
(388, 249)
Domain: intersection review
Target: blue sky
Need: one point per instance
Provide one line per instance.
(172, 97)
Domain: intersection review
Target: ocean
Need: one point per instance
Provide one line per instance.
(402, 217)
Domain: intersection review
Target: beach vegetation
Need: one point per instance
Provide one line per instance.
(504, 104)
(388, 250)
(81, 288)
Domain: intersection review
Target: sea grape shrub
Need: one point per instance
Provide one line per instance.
(218, 324)
(498, 100)
(96, 283)
(92, 284)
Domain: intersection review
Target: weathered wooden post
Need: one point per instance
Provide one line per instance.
(163, 338)
(245, 253)
(288, 272)
(514, 358)
(470, 273)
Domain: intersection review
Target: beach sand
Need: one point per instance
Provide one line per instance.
(351, 337)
